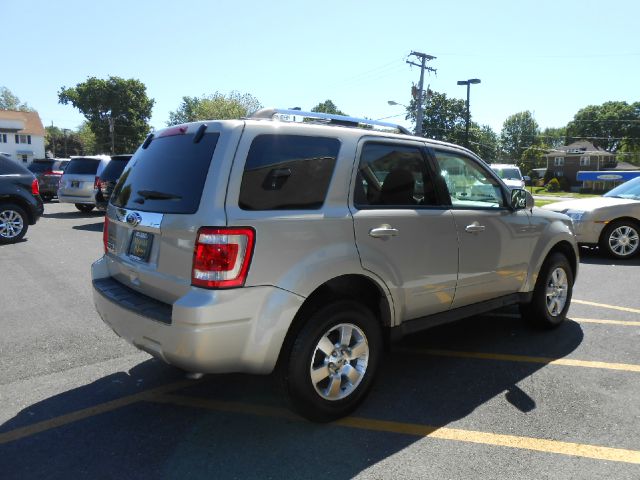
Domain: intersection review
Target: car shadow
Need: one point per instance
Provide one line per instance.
(593, 256)
(92, 214)
(90, 227)
(200, 431)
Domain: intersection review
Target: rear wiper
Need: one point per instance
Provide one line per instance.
(155, 195)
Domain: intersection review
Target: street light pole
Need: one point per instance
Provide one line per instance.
(466, 127)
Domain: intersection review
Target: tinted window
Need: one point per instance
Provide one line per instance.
(114, 169)
(393, 175)
(83, 166)
(9, 167)
(168, 176)
(39, 167)
(288, 172)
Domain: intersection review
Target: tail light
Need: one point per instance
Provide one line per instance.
(35, 187)
(105, 234)
(96, 183)
(222, 256)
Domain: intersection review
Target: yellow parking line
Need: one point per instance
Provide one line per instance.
(606, 322)
(604, 305)
(442, 433)
(51, 423)
(627, 367)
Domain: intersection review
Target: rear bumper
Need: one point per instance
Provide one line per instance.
(84, 199)
(205, 331)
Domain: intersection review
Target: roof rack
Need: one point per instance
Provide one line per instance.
(289, 115)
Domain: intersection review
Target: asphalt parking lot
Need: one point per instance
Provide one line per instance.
(487, 397)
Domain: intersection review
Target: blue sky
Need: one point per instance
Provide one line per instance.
(549, 57)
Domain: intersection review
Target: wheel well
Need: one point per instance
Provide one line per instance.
(21, 203)
(567, 250)
(354, 287)
(632, 220)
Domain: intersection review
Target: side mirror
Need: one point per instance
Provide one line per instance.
(521, 199)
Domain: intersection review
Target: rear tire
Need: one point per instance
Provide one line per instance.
(332, 361)
(621, 239)
(83, 207)
(14, 223)
(552, 293)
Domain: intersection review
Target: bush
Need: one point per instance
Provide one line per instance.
(553, 185)
(565, 186)
(548, 175)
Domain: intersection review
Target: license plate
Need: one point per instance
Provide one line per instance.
(140, 246)
(75, 184)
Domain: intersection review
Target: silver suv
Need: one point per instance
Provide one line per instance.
(291, 242)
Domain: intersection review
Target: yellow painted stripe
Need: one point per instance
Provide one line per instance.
(574, 319)
(627, 367)
(604, 305)
(49, 424)
(606, 322)
(454, 434)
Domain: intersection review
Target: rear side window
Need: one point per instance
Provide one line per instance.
(83, 166)
(114, 169)
(288, 172)
(168, 176)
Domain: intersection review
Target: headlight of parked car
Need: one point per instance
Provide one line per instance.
(576, 215)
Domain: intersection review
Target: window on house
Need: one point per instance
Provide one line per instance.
(585, 161)
(3, 138)
(558, 161)
(23, 139)
(559, 174)
(24, 158)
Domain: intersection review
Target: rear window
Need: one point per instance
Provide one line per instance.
(114, 169)
(288, 172)
(168, 176)
(39, 167)
(83, 166)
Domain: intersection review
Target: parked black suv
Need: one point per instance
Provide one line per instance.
(108, 179)
(20, 202)
(48, 172)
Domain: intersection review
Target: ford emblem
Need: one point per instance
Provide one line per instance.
(134, 219)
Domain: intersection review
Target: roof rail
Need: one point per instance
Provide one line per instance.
(288, 115)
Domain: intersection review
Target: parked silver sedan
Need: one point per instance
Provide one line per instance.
(611, 222)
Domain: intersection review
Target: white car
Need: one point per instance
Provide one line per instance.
(510, 175)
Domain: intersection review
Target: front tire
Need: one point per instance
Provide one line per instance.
(13, 223)
(620, 239)
(84, 208)
(332, 361)
(552, 293)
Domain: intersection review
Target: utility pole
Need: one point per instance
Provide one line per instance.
(424, 58)
(53, 140)
(111, 130)
(65, 130)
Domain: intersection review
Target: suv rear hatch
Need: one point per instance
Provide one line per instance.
(154, 213)
(79, 178)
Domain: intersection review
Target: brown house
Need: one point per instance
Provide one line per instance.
(567, 161)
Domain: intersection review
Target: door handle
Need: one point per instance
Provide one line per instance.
(383, 231)
(475, 227)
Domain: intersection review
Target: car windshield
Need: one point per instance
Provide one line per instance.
(630, 189)
(508, 173)
(39, 167)
(83, 166)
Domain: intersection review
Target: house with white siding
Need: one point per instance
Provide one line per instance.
(21, 136)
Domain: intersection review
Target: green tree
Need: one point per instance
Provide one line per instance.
(9, 101)
(519, 132)
(611, 126)
(483, 141)
(117, 110)
(87, 138)
(63, 142)
(553, 137)
(327, 107)
(217, 106)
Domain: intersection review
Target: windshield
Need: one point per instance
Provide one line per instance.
(508, 173)
(630, 189)
(114, 169)
(39, 167)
